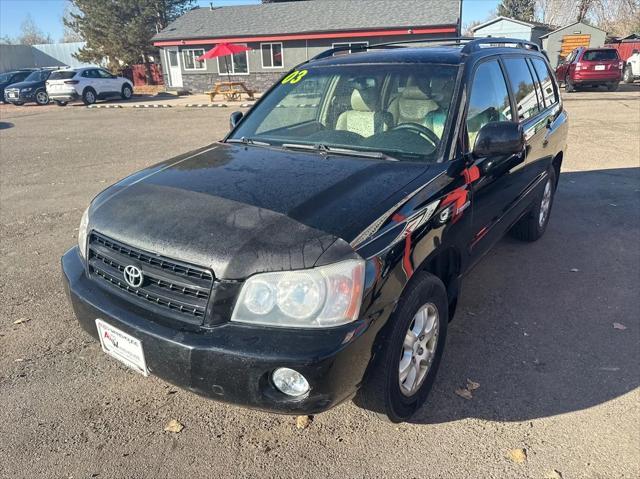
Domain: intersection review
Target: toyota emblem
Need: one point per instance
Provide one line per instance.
(133, 276)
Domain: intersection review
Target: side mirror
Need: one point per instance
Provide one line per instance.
(499, 138)
(235, 118)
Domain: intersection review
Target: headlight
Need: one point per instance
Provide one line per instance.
(26, 90)
(313, 298)
(82, 233)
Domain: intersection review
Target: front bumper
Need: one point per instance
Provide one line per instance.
(17, 96)
(232, 362)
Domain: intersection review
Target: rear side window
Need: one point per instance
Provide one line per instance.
(489, 99)
(600, 55)
(62, 75)
(523, 87)
(546, 83)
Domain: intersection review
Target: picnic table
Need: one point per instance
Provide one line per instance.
(231, 90)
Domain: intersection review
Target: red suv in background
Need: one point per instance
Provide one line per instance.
(591, 67)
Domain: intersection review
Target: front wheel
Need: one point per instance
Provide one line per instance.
(405, 365)
(628, 75)
(42, 98)
(532, 226)
(60, 103)
(127, 92)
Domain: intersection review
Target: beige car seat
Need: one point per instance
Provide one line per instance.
(364, 118)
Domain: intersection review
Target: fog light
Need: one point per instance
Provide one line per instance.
(290, 382)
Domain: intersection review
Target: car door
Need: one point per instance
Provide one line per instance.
(545, 138)
(502, 181)
(563, 68)
(110, 83)
(89, 80)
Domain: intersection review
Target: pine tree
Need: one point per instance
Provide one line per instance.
(121, 30)
(523, 10)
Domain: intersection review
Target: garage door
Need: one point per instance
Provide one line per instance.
(571, 42)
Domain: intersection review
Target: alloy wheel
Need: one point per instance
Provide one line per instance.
(545, 204)
(418, 349)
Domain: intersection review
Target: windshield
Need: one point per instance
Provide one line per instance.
(5, 77)
(38, 76)
(400, 110)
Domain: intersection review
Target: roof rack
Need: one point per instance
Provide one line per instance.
(470, 44)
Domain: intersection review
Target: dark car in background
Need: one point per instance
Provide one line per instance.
(591, 67)
(31, 89)
(318, 251)
(11, 77)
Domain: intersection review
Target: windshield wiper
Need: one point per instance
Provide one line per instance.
(330, 150)
(248, 141)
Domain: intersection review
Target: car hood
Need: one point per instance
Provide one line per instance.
(243, 209)
(26, 84)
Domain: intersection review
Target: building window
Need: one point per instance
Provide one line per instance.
(189, 59)
(237, 64)
(271, 55)
(353, 47)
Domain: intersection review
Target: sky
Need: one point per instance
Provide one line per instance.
(47, 14)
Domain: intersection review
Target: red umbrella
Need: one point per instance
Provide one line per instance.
(223, 50)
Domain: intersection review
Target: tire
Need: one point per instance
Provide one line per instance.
(89, 96)
(569, 87)
(628, 75)
(532, 226)
(42, 98)
(18, 103)
(612, 86)
(126, 92)
(383, 393)
(60, 103)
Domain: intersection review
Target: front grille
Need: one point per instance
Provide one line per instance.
(179, 289)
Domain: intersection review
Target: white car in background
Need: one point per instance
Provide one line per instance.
(88, 84)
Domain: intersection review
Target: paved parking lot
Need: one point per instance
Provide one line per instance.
(535, 328)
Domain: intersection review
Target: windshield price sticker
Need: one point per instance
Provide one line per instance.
(294, 77)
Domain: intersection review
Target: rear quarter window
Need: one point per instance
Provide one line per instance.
(64, 75)
(600, 55)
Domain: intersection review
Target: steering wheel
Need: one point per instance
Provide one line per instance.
(418, 129)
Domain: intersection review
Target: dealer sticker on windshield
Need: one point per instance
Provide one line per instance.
(294, 77)
(122, 346)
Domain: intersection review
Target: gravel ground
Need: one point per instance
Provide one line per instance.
(535, 328)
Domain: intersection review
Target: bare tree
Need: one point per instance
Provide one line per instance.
(617, 17)
(30, 34)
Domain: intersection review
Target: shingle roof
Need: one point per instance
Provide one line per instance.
(309, 16)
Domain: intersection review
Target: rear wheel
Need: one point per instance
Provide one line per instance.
(532, 226)
(612, 86)
(89, 96)
(127, 92)
(42, 98)
(569, 87)
(60, 103)
(628, 75)
(404, 369)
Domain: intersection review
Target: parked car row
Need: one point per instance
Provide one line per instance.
(63, 86)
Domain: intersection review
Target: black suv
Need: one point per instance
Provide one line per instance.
(317, 251)
(11, 77)
(31, 89)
